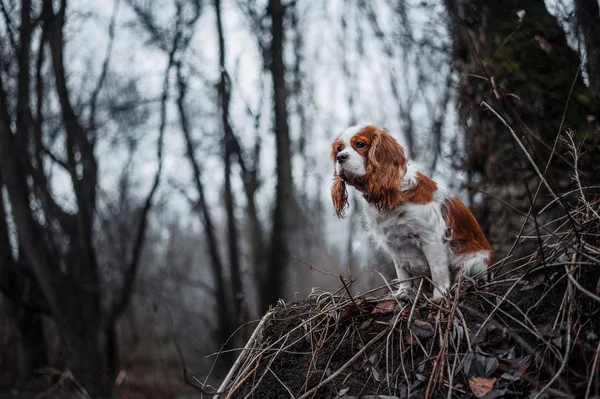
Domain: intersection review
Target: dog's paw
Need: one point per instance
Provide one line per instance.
(438, 297)
(405, 295)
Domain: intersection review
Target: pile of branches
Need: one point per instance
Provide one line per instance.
(530, 332)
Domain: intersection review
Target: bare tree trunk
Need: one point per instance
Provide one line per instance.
(26, 318)
(216, 263)
(514, 55)
(587, 13)
(285, 206)
(84, 337)
(224, 87)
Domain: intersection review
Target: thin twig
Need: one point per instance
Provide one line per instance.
(512, 132)
(347, 364)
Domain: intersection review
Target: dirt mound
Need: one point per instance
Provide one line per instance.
(532, 332)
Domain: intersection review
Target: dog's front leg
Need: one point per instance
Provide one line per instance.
(405, 291)
(437, 257)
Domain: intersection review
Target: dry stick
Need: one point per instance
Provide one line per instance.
(401, 344)
(221, 350)
(464, 323)
(575, 161)
(350, 295)
(320, 344)
(239, 384)
(412, 309)
(554, 325)
(537, 191)
(245, 351)
(281, 382)
(565, 358)
(387, 348)
(186, 377)
(451, 372)
(516, 337)
(579, 287)
(347, 364)
(336, 349)
(263, 374)
(512, 132)
(523, 325)
(311, 267)
(445, 339)
(593, 373)
(496, 307)
(567, 193)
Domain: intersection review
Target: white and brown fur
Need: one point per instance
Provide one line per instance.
(424, 229)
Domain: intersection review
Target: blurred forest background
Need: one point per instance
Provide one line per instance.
(164, 164)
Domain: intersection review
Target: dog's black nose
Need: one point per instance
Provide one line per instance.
(342, 157)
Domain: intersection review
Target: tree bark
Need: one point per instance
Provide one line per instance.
(224, 87)
(526, 70)
(216, 263)
(25, 307)
(285, 207)
(587, 13)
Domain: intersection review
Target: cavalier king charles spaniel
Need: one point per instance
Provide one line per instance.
(423, 228)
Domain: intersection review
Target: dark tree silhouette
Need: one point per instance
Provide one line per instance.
(285, 208)
(587, 13)
(514, 55)
(56, 246)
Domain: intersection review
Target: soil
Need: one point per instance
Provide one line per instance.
(305, 342)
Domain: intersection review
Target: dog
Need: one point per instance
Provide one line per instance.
(426, 231)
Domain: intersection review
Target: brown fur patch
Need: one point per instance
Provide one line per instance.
(339, 196)
(385, 166)
(466, 233)
(422, 193)
(336, 146)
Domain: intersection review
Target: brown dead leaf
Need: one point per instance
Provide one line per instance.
(384, 307)
(365, 324)
(347, 313)
(524, 365)
(481, 386)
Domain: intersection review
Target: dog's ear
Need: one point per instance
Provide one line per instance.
(339, 196)
(386, 166)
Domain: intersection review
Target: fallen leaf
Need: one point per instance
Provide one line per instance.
(524, 365)
(384, 307)
(508, 377)
(466, 363)
(365, 324)
(481, 386)
(458, 331)
(422, 330)
(347, 314)
(491, 364)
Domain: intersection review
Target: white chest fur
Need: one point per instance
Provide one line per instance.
(408, 232)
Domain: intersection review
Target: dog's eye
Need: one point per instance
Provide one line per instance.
(360, 144)
(339, 148)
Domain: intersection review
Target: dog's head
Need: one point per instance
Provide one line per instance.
(370, 160)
